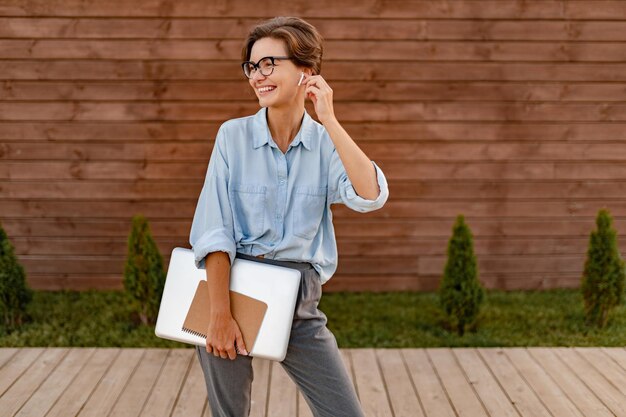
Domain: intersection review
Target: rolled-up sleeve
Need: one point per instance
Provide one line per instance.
(212, 226)
(341, 189)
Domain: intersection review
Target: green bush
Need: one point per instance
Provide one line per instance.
(144, 276)
(603, 276)
(14, 291)
(460, 292)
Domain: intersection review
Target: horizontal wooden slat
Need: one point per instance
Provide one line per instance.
(184, 209)
(520, 9)
(530, 264)
(389, 112)
(383, 150)
(108, 131)
(398, 50)
(368, 265)
(86, 246)
(339, 282)
(358, 229)
(406, 180)
(342, 28)
(500, 171)
(342, 91)
(424, 189)
(475, 190)
(85, 69)
(445, 189)
(507, 282)
(97, 190)
(119, 131)
(81, 282)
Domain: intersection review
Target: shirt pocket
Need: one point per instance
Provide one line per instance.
(309, 206)
(248, 201)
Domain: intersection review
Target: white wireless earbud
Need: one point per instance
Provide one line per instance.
(301, 78)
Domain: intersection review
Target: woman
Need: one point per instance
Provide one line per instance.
(269, 185)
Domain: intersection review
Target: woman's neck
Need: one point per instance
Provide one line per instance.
(284, 124)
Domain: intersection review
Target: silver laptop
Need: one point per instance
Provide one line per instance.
(275, 285)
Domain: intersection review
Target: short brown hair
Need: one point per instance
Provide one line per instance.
(302, 40)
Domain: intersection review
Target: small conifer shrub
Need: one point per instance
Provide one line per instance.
(461, 293)
(144, 276)
(14, 291)
(603, 276)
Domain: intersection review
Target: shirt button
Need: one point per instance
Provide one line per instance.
(282, 182)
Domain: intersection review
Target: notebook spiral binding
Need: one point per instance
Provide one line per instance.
(193, 332)
(203, 335)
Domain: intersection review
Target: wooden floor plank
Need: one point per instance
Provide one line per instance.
(346, 357)
(618, 355)
(431, 393)
(551, 395)
(169, 383)
(402, 395)
(461, 394)
(282, 393)
(81, 387)
(604, 390)
(111, 385)
(51, 389)
(19, 363)
(133, 397)
(6, 354)
(486, 386)
(260, 386)
(303, 408)
(606, 366)
(207, 411)
(17, 395)
(193, 395)
(576, 390)
(372, 392)
(522, 396)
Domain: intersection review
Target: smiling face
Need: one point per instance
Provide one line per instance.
(280, 88)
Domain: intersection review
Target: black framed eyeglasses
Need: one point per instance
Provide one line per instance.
(265, 65)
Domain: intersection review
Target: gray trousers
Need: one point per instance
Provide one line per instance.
(313, 361)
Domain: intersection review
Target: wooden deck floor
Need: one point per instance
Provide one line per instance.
(390, 382)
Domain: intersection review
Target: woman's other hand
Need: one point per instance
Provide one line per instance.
(222, 334)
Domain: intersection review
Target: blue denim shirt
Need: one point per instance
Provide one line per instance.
(257, 200)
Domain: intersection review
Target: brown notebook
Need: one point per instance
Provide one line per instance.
(248, 312)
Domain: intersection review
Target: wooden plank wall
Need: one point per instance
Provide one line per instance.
(511, 112)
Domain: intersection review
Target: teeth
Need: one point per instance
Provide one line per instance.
(264, 89)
